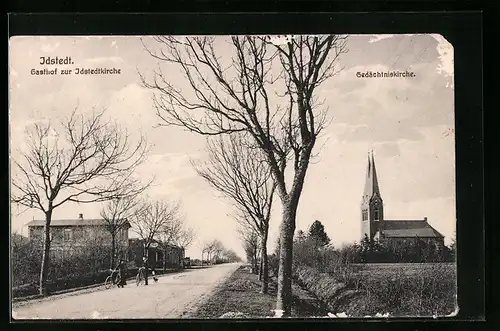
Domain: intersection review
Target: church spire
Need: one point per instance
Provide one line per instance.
(368, 182)
(375, 188)
(371, 181)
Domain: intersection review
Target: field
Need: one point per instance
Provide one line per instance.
(404, 289)
(409, 269)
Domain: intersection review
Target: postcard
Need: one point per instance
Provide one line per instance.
(242, 177)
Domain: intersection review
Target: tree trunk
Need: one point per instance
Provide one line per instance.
(260, 264)
(46, 252)
(164, 258)
(255, 262)
(264, 264)
(287, 228)
(113, 250)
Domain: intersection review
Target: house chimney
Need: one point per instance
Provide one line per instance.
(425, 219)
(80, 216)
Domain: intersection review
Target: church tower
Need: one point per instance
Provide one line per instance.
(372, 208)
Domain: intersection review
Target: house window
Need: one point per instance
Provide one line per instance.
(68, 234)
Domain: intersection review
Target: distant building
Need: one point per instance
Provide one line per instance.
(73, 234)
(159, 256)
(375, 226)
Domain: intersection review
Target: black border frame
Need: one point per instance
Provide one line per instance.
(462, 29)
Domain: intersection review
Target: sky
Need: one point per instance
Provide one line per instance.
(407, 122)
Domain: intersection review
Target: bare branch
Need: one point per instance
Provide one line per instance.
(86, 159)
(240, 172)
(153, 218)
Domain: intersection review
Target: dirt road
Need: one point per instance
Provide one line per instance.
(174, 296)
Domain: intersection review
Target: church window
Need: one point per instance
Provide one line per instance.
(365, 215)
(376, 214)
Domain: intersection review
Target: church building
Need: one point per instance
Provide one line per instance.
(375, 226)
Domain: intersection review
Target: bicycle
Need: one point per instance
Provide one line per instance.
(141, 276)
(112, 279)
(140, 279)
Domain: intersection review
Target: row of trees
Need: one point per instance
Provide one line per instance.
(154, 221)
(262, 94)
(413, 250)
(214, 252)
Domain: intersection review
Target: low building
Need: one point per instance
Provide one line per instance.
(160, 256)
(72, 235)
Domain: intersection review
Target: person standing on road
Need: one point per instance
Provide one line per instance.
(146, 269)
(121, 273)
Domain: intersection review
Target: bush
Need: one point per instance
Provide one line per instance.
(429, 289)
(273, 264)
(26, 258)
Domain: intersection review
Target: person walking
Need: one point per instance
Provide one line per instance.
(121, 273)
(146, 269)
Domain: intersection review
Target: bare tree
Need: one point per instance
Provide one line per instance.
(250, 238)
(175, 233)
(233, 93)
(185, 237)
(207, 251)
(241, 173)
(230, 256)
(85, 160)
(217, 250)
(166, 235)
(152, 217)
(213, 249)
(117, 214)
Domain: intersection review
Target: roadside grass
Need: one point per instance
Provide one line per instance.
(240, 297)
(400, 289)
(423, 289)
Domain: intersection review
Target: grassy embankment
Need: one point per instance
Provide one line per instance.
(420, 289)
(240, 297)
(360, 290)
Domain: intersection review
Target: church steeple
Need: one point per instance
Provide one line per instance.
(372, 208)
(371, 180)
(375, 188)
(366, 192)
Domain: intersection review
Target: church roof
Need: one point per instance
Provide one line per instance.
(70, 222)
(409, 229)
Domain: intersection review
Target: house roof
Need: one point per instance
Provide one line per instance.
(154, 241)
(409, 229)
(71, 222)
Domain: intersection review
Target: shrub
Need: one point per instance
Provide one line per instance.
(26, 257)
(273, 263)
(429, 290)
